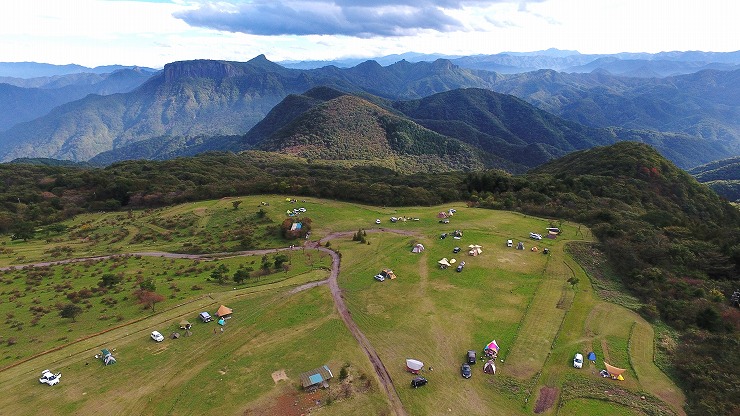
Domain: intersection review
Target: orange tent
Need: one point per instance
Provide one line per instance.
(223, 311)
(614, 371)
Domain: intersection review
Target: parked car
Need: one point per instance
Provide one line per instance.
(445, 221)
(418, 382)
(509, 243)
(471, 357)
(205, 317)
(460, 266)
(379, 277)
(465, 370)
(157, 336)
(377, 221)
(47, 377)
(456, 250)
(535, 236)
(578, 361)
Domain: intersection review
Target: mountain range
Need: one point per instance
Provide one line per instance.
(202, 105)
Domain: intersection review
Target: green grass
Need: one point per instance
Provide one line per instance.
(595, 407)
(520, 298)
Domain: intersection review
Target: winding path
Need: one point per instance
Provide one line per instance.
(336, 293)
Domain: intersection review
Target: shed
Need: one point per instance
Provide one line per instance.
(224, 312)
(316, 377)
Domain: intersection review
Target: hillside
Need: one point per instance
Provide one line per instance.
(22, 100)
(723, 176)
(353, 130)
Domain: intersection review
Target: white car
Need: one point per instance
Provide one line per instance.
(377, 221)
(47, 377)
(535, 236)
(157, 336)
(578, 361)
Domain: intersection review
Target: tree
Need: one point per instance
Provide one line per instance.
(236, 204)
(241, 275)
(23, 231)
(149, 299)
(110, 280)
(280, 259)
(220, 273)
(70, 311)
(148, 285)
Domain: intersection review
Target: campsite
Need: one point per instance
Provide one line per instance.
(519, 298)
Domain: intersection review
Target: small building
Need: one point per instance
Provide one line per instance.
(318, 377)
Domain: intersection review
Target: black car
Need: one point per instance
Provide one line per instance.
(471, 357)
(466, 371)
(456, 250)
(418, 382)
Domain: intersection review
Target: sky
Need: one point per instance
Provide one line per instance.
(155, 32)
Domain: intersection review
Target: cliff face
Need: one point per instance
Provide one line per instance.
(200, 69)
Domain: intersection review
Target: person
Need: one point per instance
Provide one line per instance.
(222, 329)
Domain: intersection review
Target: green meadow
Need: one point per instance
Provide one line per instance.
(540, 308)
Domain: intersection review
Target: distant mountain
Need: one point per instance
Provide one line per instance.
(35, 70)
(643, 65)
(210, 98)
(723, 176)
(38, 96)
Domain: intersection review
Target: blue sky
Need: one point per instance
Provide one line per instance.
(155, 32)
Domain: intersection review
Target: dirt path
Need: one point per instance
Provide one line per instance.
(336, 292)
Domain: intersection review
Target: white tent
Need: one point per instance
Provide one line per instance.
(475, 249)
(489, 367)
(444, 263)
(418, 248)
(414, 366)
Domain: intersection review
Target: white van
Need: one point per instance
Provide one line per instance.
(509, 243)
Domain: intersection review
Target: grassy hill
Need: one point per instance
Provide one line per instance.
(540, 319)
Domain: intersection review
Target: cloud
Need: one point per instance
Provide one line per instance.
(356, 18)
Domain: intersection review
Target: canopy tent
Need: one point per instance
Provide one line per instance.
(443, 264)
(413, 366)
(591, 356)
(223, 312)
(418, 248)
(185, 324)
(388, 274)
(489, 367)
(475, 249)
(614, 371)
(453, 261)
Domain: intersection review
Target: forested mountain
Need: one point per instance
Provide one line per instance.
(189, 102)
(23, 100)
(723, 176)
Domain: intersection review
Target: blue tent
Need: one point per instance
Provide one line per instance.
(221, 321)
(592, 356)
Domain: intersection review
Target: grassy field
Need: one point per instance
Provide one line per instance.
(520, 298)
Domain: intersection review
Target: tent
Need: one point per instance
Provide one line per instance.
(475, 249)
(443, 264)
(107, 357)
(591, 356)
(489, 367)
(614, 372)
(520, 246)
(413, 366)
(185, 324)
(491, 349)
(223, 312)
(221, 321)
(418, 248)
(442, 215)
(175, 335)
(535, 249)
